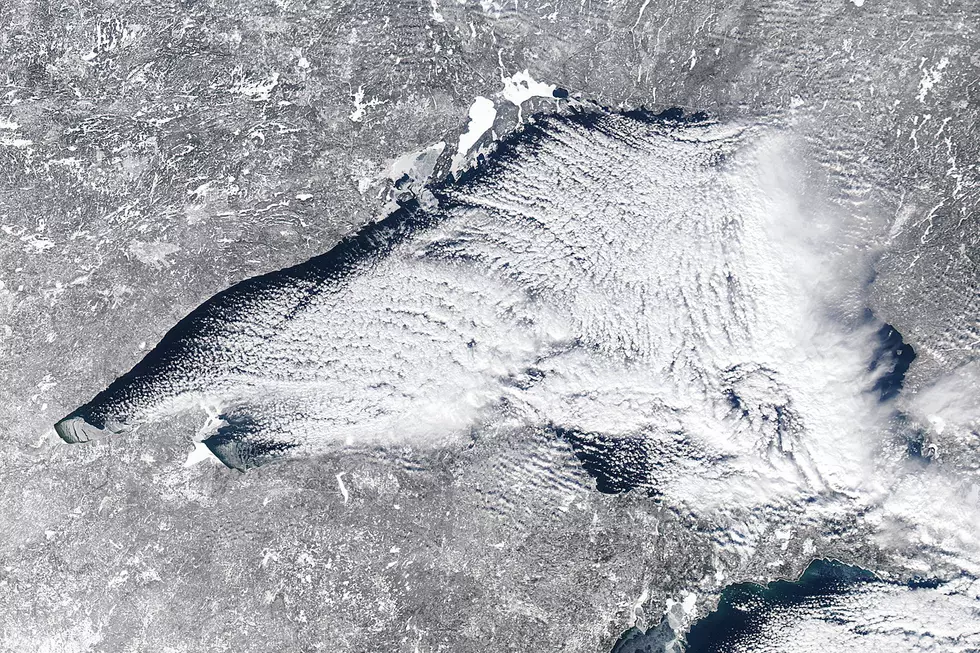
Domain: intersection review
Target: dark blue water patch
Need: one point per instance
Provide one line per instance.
(746, 607)
(560, 93)
(924, 583)
(909, 433)
(894, 357)
(671, 114)
(239, 443)
(618, 464)
(654, 640)
(915, 444)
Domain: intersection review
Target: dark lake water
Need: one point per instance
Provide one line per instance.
(893, 357)
(745, 608)
(617, 464)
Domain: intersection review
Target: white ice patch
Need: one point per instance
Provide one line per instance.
(342, 487)
(680, 615)
(358, 97)
(258, 90)
(201, 452)
(689, 602)
(930, 78)
(418, 165)
(19, 143)
(360, 106)
(521, 87)
(435, 15)
(482, 114)
(198, 454)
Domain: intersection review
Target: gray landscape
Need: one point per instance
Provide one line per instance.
(743, 220)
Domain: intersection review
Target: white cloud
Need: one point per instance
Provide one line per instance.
(679, 285)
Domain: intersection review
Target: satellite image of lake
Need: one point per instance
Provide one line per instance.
(639, 326)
